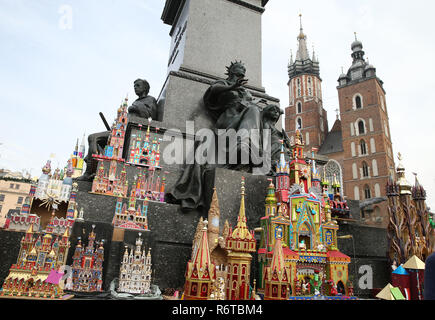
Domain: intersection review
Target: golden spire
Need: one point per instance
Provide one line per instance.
(241, 220)
(241, 232)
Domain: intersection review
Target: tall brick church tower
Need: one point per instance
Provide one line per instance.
(305, 111)
(368, 159)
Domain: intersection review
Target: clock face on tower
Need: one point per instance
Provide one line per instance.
(215, 222)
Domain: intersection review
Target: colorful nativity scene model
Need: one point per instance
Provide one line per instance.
(298, 257)
(109, 209)
(298, 253)
(34, 275)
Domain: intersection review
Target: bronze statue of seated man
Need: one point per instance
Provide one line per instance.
(144, 107)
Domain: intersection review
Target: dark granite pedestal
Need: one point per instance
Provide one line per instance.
(368, 252)
(171, 231)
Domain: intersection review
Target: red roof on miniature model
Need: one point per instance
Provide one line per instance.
(130, 225)
(337, 255)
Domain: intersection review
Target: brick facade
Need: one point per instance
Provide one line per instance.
(311, 111)
(379, 155)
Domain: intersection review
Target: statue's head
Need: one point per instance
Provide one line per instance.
(236, 69)
(273, 112)
(141, 87)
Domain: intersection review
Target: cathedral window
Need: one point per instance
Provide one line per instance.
(298, 123)
(318, 91)
(367, 192)
(358, 104)
(363, 147)
(299, 88)
(310, 87)
(365, 169)
(357, 101)
(299, 107)
(333, 170)
(361, 127)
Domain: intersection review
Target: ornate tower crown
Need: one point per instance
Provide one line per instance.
(303, 63)
(360, 68)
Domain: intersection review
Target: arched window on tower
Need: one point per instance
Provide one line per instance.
(367, 192)
(365, 169)
(310, 87)
(363, 147)
(299, 87)
(361, 127)
(298, 123)
(358, 102)
(299, 107)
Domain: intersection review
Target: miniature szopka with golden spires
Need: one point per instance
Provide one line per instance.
(240, 244)
(200, 271)
(39, 256)
(298, 246)
(230, 251)
(110, 183)
(131, 218)
(87, 267)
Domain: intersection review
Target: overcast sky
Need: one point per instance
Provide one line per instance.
(55, 79)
